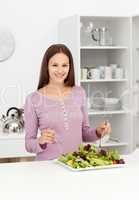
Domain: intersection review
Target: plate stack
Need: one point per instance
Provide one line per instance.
(108, 104)
(98, 103)
(112, 104)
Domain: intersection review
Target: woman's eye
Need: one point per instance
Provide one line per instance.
(55, 65)
(65, 65)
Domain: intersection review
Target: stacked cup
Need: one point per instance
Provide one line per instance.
(94, 73)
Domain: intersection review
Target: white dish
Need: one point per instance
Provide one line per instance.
(91, 168)
(111, 101)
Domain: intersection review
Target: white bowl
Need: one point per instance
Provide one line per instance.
(111, 100)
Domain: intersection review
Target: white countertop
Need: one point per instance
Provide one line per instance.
(46, 179)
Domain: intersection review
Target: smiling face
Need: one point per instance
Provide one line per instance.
(58, 68)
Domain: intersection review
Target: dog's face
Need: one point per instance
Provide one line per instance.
(14, 114)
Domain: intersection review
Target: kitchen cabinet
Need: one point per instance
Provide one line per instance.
(87, 52)
(13, 145)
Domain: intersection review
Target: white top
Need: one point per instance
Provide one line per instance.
(46, 179)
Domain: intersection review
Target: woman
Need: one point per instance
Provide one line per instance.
(58, 109)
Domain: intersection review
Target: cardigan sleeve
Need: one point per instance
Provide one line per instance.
(31, 127)
(88, 133)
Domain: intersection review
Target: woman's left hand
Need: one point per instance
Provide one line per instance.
(103, 129)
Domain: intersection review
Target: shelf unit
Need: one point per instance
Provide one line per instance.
(87, 53)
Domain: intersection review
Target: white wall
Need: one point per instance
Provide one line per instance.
(34, 25)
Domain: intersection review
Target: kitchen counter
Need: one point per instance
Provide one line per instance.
(47, 179)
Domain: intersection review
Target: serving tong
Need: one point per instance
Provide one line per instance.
(100, 140)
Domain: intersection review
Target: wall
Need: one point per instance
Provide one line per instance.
(34, 25)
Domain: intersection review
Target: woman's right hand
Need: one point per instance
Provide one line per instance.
(47, 136)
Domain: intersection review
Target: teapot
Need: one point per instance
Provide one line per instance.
(13, 122)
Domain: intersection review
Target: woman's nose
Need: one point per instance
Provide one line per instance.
(60, 70)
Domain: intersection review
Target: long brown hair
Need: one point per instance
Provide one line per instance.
(50, 52)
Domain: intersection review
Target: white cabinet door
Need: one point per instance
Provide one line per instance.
(13, 147)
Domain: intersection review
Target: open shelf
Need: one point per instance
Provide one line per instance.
(94, 112)
(105, 80)
(103, 47)
(110, 143)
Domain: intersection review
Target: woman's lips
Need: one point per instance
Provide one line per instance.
(59, 76)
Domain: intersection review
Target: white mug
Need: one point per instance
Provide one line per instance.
(94, 73)
(102, 71)
(119, 73)
(84, 72)
(114, 67)
(108, 72)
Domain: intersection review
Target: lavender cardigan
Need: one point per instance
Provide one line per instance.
(68, 118)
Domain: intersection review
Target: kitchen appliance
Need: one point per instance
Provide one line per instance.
(13, 122)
